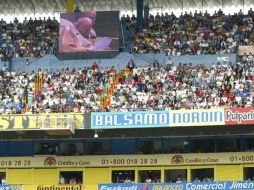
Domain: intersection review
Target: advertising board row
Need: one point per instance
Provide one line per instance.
(137, 119)
(41, 187)
(173, 118)
(127, 160)
(222, 185)
(36, 121)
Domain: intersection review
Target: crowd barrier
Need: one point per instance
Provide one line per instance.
(135, 119)
(215, 185)
(120, 61)
(52, 62)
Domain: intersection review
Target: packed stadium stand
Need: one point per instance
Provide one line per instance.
(126, 95)
(30, 38)
(194, 33)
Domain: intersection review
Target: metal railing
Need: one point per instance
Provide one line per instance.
(56, 123)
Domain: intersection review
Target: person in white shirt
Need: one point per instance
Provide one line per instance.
(3, 181)
(250, 58)
(127, 180)
(148, 180)
(62, 180)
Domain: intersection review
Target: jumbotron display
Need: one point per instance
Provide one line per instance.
(89, 31)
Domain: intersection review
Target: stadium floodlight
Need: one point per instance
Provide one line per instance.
(96, 135)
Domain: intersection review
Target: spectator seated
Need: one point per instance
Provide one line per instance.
(185, 87)
(64, 90)
(193, 34)
(31, 38)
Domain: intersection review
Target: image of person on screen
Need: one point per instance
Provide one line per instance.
(78, 36)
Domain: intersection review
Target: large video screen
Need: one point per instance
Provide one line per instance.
(89, 31)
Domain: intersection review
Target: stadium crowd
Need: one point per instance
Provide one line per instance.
(192, 34)
(153, 87)
(186, 87)
(61, 91)
(189, 34)
(30, 38)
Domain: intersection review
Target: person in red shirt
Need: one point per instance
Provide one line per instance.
(98, 90)
(249, 77)
(222, 103)
(227, 91)
(231, 97)
(158, 88)
(94, 66)
(200, 94)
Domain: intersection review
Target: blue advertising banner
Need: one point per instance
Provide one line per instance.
(5, 187)
(10, 187)
(123, 187)
(144, 119)
(197, 117)
(222, 185)
(109, 120)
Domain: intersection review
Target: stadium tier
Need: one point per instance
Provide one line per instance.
(94, 99)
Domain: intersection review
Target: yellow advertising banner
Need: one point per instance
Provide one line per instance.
(127, 160)
(40, 121)
(52, 187)
(198, 117)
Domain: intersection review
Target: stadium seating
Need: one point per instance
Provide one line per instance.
(59, 91)
(189, 34)
(193, 34)
(155, 87)
(31, 38)
(146, 88)
(185, 87)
